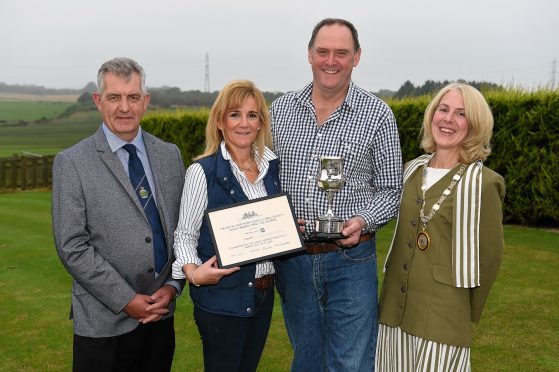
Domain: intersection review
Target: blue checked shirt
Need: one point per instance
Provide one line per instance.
(363, 131)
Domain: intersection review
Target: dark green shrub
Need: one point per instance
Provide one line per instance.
(184, 128)
(526, 153)
(525, 146)
(409, 116)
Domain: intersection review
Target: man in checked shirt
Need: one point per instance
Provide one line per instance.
(329, 292)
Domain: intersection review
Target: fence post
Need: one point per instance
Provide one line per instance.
(51, 163)
(2, 174)
(45, 179)
(34, 170)
(23, 173)
(14, 162)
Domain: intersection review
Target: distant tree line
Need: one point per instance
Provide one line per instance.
(169, 97)
(430, 87)
(40, 90)
(173, 97)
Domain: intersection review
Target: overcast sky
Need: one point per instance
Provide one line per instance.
(62, 43)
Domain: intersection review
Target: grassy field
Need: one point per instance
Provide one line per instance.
(14, 112)
(518, 332)
(21, 97)
(46, 139)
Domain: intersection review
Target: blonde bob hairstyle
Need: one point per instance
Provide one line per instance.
(232, 97)
(476, 145)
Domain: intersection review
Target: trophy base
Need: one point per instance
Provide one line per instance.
(328, 236)
(329, 229)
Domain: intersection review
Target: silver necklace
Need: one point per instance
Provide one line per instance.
(423, 239)
(250, 163)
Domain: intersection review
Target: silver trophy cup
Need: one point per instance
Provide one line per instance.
(330, 179)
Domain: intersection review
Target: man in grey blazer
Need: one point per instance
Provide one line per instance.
(105, 234)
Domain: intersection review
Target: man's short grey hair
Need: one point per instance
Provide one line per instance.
(121, 66)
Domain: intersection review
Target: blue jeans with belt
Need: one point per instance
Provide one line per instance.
(330, 308)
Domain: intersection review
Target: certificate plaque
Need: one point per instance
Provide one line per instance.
(254, 230)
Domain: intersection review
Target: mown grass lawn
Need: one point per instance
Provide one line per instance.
(519, 330)
(47, 139)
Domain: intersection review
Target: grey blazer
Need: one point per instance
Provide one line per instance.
(102, 234)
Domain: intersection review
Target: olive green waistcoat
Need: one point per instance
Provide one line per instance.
(418, 294)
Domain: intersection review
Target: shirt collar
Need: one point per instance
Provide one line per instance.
(304, 95)
(266, 157)
(263, 163)
(116, 142)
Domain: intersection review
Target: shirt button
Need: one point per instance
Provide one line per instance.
(249, 310)
(148, 240)
(414, 223)
(307, 200)
(250, 284)
(410, 245)
(418, 201)
(403, 289)
(405, 267)
(225, 178)
(232, 192)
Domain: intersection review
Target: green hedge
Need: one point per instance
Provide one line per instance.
(525, 146)
(185, 128)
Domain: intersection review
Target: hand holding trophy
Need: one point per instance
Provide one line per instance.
(330, 179)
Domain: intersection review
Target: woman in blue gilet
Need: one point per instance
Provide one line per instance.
(232, 307)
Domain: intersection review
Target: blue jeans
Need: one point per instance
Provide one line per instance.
(330, 308)
(232, 343)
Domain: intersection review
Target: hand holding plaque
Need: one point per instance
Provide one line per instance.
(330, 179)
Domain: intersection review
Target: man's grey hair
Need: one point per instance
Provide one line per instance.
(121, 66)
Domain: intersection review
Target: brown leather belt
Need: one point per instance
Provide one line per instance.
(264, 282)
(324, 247)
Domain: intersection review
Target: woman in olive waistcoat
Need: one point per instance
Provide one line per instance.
(448, 243)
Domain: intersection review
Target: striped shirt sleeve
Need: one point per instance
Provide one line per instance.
(194, 202)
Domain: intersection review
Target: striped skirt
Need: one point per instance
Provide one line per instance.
(398, 351)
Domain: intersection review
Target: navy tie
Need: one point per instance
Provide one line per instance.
(143, 192)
